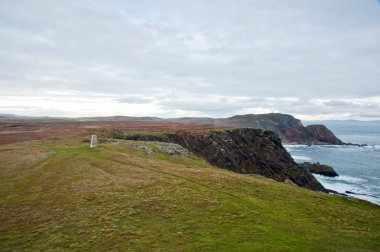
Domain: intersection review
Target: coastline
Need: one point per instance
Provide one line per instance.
(356, 166)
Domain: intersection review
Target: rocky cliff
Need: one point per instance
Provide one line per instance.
(322, 134)
(243, 150)
(289, 129)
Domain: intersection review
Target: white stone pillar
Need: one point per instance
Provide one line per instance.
(94, 141)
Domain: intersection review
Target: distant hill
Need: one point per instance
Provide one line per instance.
(10, 117)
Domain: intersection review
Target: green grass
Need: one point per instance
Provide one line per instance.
(65, 196)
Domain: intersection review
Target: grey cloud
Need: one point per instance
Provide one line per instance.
(317, 49)
(338, 103)
(375, 116)
(206, 105)
(134, 99)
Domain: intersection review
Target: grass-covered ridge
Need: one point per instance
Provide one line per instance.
(65, 196)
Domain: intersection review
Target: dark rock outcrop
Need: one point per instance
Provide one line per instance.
(244, 150)
(318, 168)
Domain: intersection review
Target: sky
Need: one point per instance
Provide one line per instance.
(315, 59)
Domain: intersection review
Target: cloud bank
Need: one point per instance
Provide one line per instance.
(315, 59)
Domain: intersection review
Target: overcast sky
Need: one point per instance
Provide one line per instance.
(315, 59)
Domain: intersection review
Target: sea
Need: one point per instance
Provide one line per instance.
(358, 167)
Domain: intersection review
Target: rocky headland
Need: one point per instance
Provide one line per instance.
(242, 150)
(289, 128)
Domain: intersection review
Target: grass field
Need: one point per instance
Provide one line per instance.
(62, 195)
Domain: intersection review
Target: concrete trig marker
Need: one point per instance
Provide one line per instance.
(94, 141)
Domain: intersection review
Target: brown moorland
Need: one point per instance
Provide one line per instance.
(25, 130)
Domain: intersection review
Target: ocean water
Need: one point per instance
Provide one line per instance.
(358, 167)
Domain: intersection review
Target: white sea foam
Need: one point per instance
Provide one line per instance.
(339, 187)
(376, 146)
(345, 184)
(350, 179)
(342, 178)
(301, 158)
(376, 178)
(294, 145)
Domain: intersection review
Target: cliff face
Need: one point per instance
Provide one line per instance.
(322, 134)
(287, 127)
(245, 150)
(312, 134)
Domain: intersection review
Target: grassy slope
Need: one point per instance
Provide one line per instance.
(65, 196)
